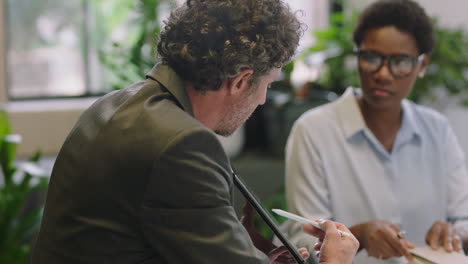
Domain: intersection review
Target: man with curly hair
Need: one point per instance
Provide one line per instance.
(142, 177)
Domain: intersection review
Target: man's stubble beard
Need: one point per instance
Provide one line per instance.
(238, 113)
(236, 116)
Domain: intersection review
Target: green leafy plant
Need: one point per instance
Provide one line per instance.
(448, 68)
(127, 61)
(447, 71)
(18, 224)
(275, 201)
(336, 46)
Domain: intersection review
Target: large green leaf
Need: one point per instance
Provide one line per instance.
(4, 124)
(7, 155)
(4, 130)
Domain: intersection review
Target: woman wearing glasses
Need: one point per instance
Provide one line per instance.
(389, 169)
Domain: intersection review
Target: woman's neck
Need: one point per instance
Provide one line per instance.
(383, 122)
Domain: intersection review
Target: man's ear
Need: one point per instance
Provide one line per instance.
(240, 82)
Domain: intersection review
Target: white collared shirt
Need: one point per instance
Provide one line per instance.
(337, 169)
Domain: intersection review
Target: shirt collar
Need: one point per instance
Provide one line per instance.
(349, 113)
(409, 125)
(353, 122)
(166, 76)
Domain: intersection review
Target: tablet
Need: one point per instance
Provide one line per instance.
(268, 220)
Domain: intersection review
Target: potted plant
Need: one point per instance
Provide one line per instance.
(18, 183)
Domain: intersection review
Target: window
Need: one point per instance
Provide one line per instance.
(314, 15)
(48, 48)
(53, 47)
(52, 50)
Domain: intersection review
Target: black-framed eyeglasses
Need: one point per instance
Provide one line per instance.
(399, 65)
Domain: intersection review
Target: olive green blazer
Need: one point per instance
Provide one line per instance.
(139, 180)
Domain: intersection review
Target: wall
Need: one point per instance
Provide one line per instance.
(314, 14)
(451, 13)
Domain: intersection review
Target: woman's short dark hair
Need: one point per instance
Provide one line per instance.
(209, 41)
(406, 15)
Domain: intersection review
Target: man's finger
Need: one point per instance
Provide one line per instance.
(284, 260)
(331, 232)
(342, 227)
(248, 213)
(275, 253)
(248, 210)
(317, 246)
(304, 253)
(313, 231)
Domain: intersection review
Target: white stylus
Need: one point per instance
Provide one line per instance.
(305, 220)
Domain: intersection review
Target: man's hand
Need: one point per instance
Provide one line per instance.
(443, 234)
(381, 240)
(263, 244)
(281, 255)
(277, 255)
(332, 247)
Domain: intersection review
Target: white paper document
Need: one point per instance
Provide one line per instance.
(425, 255)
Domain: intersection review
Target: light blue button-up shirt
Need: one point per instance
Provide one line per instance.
(337, 169)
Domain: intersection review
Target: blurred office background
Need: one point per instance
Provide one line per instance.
(57, 57)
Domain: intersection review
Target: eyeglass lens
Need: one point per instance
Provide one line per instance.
(400, 65)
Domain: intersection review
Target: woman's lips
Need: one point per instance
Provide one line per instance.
(381, 92)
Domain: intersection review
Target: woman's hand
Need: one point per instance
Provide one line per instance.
(381, 240)
(443, 234)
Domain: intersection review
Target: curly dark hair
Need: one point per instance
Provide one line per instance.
(209, 41)
(406, 15)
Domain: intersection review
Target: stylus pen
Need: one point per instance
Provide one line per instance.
(304, 220)
(264, 215)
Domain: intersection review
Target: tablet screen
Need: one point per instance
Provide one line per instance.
(266, 217)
